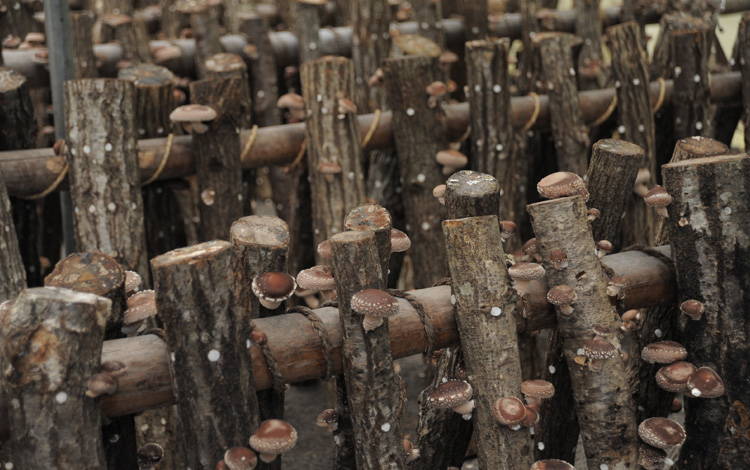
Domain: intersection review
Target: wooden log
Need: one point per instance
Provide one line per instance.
(661, 322)
(636, 121)
(208, 357)
(18, 130)
(569, 131)
(481, 288)
(529, 27)
(333, 144)
(51, 348)
(84, 60)
(418, 138)
(228, 65)
(370, 26)
(707, 233)
(204, 20)
(429, 16)
(691, 99)
(375, 401)
(475, 15)
(118, 27)
(308, 31)
(591, 71)
(217, 154)
(108, 207)
(610, 180)
(743, 42)
(492, 147)
(12, 274)
(262, 70)
(18, 21)
(603, 403)
(32, 171)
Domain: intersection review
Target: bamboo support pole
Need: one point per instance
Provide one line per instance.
(708, 220)
(207, 334)
(485, 303)
(374, 396)
(51, 347)
(32, 171)
(148, 385)
(605, 409)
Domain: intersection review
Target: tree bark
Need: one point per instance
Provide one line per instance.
(122, 29)
(529, 28)
(707, 232)
(308, 31)
(743, 42)
(480, 285)
(375, 401)
(333, 149)
(105, 186)
(51, 348)
(205, 23)
(569, 131)
(12, 274)
(605, 409)
(84, 60)
(418, 133)
(262, 70)
(636, 121)
(591, 72)
(429, 16)
(210, 357)
(475, 14)
(217, 155)
(691, 100)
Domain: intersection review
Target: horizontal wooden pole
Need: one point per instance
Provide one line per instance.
(299, 351)
(334, 41)
(32, 171)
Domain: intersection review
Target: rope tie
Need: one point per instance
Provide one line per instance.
(279, 383)
(60, 177)
(320, 329)
(535, 113)
(163, 162)
(607, 113)
(298, 158)
(250, 143)
(662, 94)
(429, 329)
(373, 127)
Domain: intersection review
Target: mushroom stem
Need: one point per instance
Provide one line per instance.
(566, 309)
(371, 322)
(199, 127)
(267, 458)
(269, 304)
(521, 287)
(595, 365)
(661, 211)
(464, 408)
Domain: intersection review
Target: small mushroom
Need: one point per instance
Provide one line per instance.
(149, 455)
(523, 273)
(561, 184)
(377, 78)
(329, 170)
(240, 458)
(453, 394)
(705, 383)
(531, 250)
(193, 116)
(439, 192)
(532, 415)
(114, 368)
(328, 418)
(273, 287)
(616, 286)
(317, 279)
(537, 390)
(272, 438)
(324, 249)
(292, 101)
(132, 282)
(674, 377)
(693, 308)
(593, 214)
(375, 305)
(552, 464)
(101, 384)
(641, 180)
(346, 106)
(598, 351)
(508, 411)
(602, 248)
(508, 228)
(662, 433)
(141, 306)
(559, 259)
(658, 197)
(562, 296)
(453, 159)
(258, 337)
(652, 458)
(664, 352)
(411, 453)
(400, 241)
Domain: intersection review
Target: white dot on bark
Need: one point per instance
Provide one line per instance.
(421, 178)
(496, 311)
(214, 355)
(61, 397)
(540, 446)
(114, 438)
(386, 427)
(497, 88)
(410, 111)
(86, 149)
(552, 369)
(658, 333)
(425, 226)
(604, 466)
(108, 147)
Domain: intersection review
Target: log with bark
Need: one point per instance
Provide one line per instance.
(743, 42)
(12, 274)
(591, 72)
(691, 100)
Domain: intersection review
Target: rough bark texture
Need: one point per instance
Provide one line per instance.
(370, 24)
(610, 180)
(18, 130)
(708, 217)
(12, 274)
(475, 14)
(17, 18)
(492, 146)
(104, 179)
(207, 335)
(262, 70)
(81, 27)
(605, 409)
(122, 29)
(529, 28)
(743, 43)
(569, 131)
(205, 24)
(429, 16)
(333, 144)
(308, 30)
(375, 401)
(636, 121)
(51, 348)
(480, 286)
(661, 322)
(591, 72)
(691, 99)
(418, 132)
(217, 154)
(228, 65)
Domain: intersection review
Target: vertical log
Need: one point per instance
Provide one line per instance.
(529, 28)
(262, 70)
(122, 29)
(217, 155)
(374, 396)
(429, 16)
(691, 98)
(207, 335)
(475, 14)
(418, 135)
(743, 42)
(228, 65)
(481, 287)
(629, 69)
(591, 72)
(104, 179)
(708, 218)
(204, 20)
(52, 346)
(569, 131)
(605, 409)
(492, 146)
(308, 30)
(17, 20)
(333, 144)
(84, 61)
(12, 273)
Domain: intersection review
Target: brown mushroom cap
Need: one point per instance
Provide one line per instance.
(651, 457)
(132, 282)
(601, 330)
(273, 437)
(562, 295)
(560, 184)
(149, 455)
(452, 158)
(508, 227)
(328, 417)
(558, 256)
(114, 368)
(658, 196)
(674, 377)
(316, 278)
(274, 286)
(552, 464)
(374, 303)
(437, 88)
(240, 458)
(664, 352)
(291, 101)
(705, 383)
(662, 433)
(449, 394)
(399, 241)
(693, 308)
(630, 315)
(526, 271)
(324, 249)
(530, 247)
(101, 384)
(538, 389)
(599, 349)
(193, 113)
(604, 245)
(508, 411)
(532, 417)
(141, 305)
